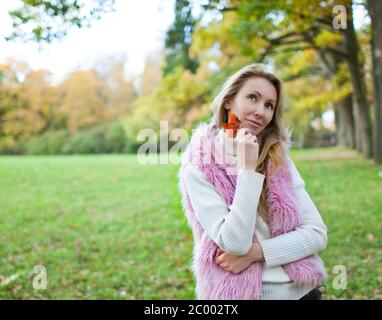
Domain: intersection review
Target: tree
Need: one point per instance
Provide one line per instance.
(151, 76)
(178, 39)
(83, 100)
(46, 20)
(119, 90)
(27, 101)
(310, 91)
(363, 123)
(375, 11)
(265, 27)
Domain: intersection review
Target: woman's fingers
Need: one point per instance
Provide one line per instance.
(245, 135)
(240, 134)
(252, 138)
(224, 265)
(219, 259)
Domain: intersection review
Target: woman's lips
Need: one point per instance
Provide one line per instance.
(254, 123)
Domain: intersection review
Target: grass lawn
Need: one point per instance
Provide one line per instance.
(107, 227)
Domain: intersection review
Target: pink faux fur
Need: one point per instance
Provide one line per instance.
(212, 282)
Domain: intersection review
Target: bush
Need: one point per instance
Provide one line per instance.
(50, 142)
(8, 145)
(82, 142)
(115, 138)
(131, 146)
(105, 138)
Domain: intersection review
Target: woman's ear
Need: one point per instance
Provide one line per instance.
(227, 105)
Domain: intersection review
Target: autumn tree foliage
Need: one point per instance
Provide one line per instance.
(325, 63)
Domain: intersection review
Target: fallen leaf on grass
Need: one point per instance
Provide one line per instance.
(4, 281)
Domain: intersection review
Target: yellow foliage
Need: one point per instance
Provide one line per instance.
(328, 38)
(216, 40)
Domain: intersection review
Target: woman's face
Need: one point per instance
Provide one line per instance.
(254, 104)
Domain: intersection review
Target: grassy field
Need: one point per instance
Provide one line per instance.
(106, 227)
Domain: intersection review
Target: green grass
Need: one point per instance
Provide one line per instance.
(106, 227)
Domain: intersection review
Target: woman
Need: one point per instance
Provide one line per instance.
(256, 230)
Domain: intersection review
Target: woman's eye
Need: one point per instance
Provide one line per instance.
(253, 97)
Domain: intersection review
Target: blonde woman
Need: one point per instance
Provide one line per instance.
(257, 232)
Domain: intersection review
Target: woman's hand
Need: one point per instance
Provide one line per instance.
(247, 149)
(237, 264)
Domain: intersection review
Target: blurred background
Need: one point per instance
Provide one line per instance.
(82, 78)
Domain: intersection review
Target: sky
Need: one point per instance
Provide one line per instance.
(136, 28)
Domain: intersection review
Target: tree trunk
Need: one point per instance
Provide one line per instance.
(343, 109)
(345, 122)
(375, 11)
(362, 117)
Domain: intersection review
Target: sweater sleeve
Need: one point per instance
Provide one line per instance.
(309, 238)
(230, 227)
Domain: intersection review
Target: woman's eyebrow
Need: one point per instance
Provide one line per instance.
(261, 96)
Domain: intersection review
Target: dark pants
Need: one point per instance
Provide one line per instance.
(315, 294)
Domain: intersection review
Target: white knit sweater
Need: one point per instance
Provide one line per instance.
(233, 232)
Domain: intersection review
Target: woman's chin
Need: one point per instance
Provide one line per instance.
(254, 131)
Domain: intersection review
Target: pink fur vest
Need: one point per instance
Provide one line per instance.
(213, 282)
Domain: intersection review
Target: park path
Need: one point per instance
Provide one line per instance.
(329, 155)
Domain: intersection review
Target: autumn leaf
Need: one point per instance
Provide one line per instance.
(232, 125)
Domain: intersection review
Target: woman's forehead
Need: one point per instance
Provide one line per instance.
(262, 85)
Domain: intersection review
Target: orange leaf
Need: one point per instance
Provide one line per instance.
(232, 125)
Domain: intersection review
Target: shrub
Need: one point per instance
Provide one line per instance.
(115, 138)
(8, 145)
(82, 142)
(104, 138)
(50, 142)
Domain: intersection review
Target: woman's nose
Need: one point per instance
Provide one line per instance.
(260, 110)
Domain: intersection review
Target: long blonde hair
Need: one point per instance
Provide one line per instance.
(271, 139)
